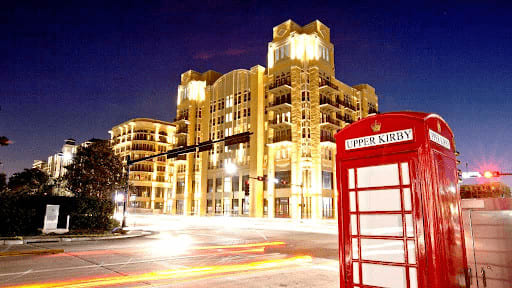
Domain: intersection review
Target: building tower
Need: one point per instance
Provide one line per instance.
(293, 108)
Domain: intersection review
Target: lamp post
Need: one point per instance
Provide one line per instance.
(123, 224)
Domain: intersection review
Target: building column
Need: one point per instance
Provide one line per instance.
(271, 196)
(257, 121)
(315, 191)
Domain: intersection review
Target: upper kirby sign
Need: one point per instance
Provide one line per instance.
(379, 139)
(392, 137)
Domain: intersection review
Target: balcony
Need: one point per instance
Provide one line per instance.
(279, 124)
(327, 105)
(281, 138)
(348, 105)
(327, 86)
(348, 120)
(330, 123)
(181, 119)
(280, 85)
(182, 130)
(280, 104)
(327, 138)
(373, 111)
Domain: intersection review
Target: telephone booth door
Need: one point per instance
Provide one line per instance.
(381, 223)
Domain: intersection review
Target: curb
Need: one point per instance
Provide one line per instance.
(76, 239)
(69, 239)
(31, 252)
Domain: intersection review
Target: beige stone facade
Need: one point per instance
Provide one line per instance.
(151, 182)
(293, 108)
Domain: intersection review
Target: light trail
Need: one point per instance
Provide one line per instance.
(173, 274)
(199, 248)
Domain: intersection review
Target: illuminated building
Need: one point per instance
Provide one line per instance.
(293, 108)
(151, 182)
(55, 167)
(485, 190)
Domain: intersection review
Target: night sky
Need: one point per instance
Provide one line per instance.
(76, 69)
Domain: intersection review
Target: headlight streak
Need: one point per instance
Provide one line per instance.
(174, 273)
(198, 248)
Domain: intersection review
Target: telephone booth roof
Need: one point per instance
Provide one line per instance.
(353, 143)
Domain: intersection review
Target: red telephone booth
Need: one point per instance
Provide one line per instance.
(400, 219)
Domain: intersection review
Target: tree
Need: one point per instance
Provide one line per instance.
(95, 171)
(4, 141)
(3, 182)
(30, 182)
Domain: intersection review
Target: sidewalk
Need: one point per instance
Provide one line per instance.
(159, 221)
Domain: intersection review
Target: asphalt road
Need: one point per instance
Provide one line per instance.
(181, 253)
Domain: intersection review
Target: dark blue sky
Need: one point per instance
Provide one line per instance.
(77, 69)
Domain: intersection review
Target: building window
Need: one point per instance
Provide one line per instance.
(326, 180)
(283, 176)
(234, 184)
(218, 185)
(180, 187)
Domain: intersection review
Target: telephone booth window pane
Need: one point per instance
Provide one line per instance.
(352, 201)
(383, 275)
(409, 225)
(375, 176)
(379, 200)
(407, 199)
(381, 225)
(405, 174)
(411, 252)
(355, 272)
(413, 278)
(355, 249)
(351, 182)
(383, 250)
(353, 224)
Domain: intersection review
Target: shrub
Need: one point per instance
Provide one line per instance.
(24, 214)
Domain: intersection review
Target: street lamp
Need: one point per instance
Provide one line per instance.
(231, 168)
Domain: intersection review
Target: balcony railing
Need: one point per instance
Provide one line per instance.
(181, 157)
(325, 82)
(348, 105)
(281, 100)
(372, 110)
(275, 122)
(325, 100)
(279, 83)
(348, 120)
(181, 117)
(331, 121)
(325, 138)
(182, 129)
(281, 138)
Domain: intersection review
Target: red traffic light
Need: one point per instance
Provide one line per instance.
(491, 174)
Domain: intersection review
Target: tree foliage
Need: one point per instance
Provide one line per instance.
(29, 182)
(4, 141)
(3, 182)
(95, 171)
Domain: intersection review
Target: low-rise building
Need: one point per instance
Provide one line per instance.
(152, 181)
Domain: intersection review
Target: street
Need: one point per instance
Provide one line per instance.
(187, 252)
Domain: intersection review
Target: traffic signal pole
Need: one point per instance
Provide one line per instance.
(203, 146)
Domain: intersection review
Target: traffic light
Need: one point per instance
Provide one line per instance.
(459, 171)
(246, 187)
(261, 178)
(491, 174)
